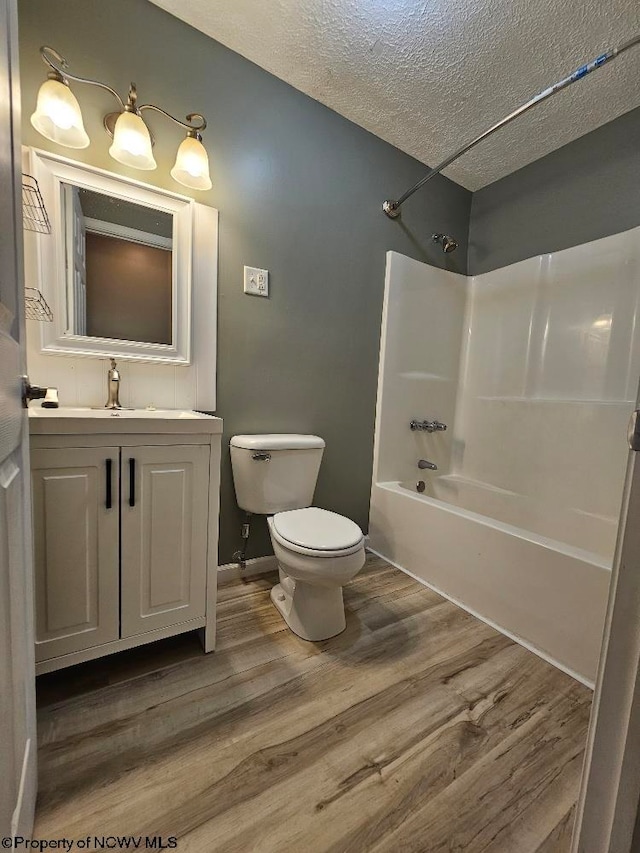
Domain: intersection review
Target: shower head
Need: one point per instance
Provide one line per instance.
(449, 244)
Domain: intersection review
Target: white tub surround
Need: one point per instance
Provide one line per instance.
(534, 368)
(125, 517)
(424, 312)
(549, 378)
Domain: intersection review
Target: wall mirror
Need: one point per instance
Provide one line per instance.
(116, 269)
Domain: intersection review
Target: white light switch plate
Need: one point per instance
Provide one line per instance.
(256, 281)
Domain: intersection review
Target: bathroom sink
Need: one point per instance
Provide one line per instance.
(87, 412)
(97, 420)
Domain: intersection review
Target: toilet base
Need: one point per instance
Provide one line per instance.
(312, 612)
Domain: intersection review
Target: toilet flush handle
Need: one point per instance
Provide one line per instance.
(261, 456)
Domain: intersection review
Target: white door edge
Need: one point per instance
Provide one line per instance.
(607, 807)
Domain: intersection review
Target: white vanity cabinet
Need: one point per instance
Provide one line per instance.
(163, 523)
(125, 524)
(75, 545)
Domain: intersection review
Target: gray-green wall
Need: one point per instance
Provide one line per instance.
(588, 189)
(299, 190)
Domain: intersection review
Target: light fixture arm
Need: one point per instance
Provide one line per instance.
(58, 117)
(60, 66)
(192, 129)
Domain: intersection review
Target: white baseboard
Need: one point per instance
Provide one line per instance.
(257, 566)
(521, 642)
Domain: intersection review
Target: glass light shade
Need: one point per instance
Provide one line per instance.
(132, 142)
(192, 165)
(58, 116)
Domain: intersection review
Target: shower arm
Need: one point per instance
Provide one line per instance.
(392, 208)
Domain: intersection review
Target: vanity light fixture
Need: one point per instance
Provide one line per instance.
(58, 117)
(192, 163)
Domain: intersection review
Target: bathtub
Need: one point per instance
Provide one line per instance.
(495, 554)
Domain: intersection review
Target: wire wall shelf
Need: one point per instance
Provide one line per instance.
(35, 218)
(36, 307)
(34, 213)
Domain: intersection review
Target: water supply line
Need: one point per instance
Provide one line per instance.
(240, 556)
(392, 208)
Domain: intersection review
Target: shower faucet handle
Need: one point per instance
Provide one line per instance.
(427, 426)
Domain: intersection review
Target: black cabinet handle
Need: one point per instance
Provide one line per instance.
(109, 497)
(132, 482)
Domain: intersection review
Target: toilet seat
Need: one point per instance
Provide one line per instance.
(317, 532)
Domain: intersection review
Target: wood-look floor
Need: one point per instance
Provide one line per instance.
(417, 729)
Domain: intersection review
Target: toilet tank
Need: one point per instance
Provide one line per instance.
(274, 473)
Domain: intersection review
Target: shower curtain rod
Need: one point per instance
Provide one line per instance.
(392, 208)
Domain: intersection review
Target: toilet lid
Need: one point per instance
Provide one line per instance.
(317, 529)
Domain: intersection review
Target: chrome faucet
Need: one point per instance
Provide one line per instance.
(113, 387)
(427, 426)
(424, 463)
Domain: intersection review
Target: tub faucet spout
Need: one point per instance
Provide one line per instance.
(424, 463)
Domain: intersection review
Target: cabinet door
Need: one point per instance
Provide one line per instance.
(75, 525)
(165, 501)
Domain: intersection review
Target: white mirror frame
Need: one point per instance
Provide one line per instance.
(51, 172)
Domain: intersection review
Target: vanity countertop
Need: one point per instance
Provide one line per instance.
(72, 421)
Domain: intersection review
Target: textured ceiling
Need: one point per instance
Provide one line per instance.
(429, 75)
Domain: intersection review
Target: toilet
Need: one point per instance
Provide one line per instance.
(318, 551)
